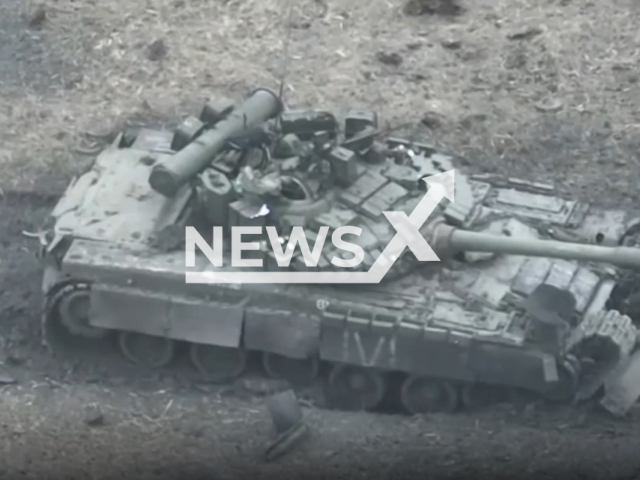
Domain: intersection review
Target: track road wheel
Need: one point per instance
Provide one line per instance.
(219, 364)
(146, 350)
(297, 371)
(74, 308)
(355, 388)
(478, 396)
(428, 395)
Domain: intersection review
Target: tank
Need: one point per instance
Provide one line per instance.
(526, 294)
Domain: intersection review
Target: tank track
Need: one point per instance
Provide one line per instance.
(602, 340)
(346, 387)
(609, 328)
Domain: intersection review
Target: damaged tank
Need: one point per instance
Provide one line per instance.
(526, 294)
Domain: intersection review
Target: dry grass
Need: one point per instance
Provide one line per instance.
(487, 90)
(45, 434)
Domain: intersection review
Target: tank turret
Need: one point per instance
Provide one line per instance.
(169, 175)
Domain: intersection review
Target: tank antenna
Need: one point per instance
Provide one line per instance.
(285, 59)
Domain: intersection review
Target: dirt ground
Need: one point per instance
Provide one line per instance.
(544, 89)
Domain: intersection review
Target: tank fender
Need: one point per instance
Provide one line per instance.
(284, 332)
(51, 275)
(160, 314)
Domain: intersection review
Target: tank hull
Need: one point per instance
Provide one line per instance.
(113, 267)
(381, 330)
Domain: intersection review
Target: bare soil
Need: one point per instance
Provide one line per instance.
(547, 90)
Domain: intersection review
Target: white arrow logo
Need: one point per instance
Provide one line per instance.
(407, 227)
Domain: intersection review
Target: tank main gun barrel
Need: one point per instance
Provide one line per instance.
(169, 175)
(449, 239)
